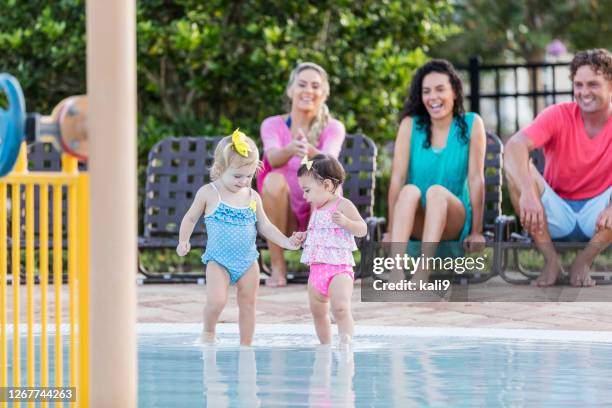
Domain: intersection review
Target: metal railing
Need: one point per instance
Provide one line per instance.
(17, 187)
(528, 88)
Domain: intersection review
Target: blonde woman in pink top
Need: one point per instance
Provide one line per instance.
(306, 130)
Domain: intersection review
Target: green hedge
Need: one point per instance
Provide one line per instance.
(205, 68)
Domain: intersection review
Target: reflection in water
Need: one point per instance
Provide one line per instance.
(342, 382)
(380, 371)
(326, 389)
(414, 379)
(215, 387)
(320, 392)
(401, 385)
(247, 378)
(330, 385)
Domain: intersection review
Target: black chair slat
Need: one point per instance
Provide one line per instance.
(178, 166)
(493, 178)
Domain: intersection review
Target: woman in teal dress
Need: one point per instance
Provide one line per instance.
(437, 179)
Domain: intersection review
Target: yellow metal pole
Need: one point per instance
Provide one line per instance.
(16, 266)
(57, 282)
(43, 229)
(111, 89)
(72, 281)
(70, 165)
(3, 291)
(20, 167)
(29, 264)
(83, 287)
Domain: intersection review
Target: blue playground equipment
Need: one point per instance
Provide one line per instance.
(12, 123)
(65, 127)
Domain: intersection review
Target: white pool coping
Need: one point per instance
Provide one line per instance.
(391, 331)
(388, 331)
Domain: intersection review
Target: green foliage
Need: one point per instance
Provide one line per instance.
(519, 30)
(43, 44)
(598, 32)
(205, 68)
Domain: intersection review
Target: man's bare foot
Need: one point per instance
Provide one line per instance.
(580, 274)
(550, 273)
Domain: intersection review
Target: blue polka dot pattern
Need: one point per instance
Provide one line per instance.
(231, 239)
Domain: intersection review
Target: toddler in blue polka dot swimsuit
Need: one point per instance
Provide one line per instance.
(233, 214)
(231, 235)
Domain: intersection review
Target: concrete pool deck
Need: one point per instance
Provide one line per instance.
(183, 303)
(180, 303)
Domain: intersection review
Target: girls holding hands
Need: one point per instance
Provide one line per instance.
(328, 245)
(233, 214)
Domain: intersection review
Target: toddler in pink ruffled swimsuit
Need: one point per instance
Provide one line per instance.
(328, 245)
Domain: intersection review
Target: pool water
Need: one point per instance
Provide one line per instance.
(415, 369)
(394, 371)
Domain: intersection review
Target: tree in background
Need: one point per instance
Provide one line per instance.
(207, 67)
(519, 30)
(43, 45)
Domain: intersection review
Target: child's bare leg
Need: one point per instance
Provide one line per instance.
(247, 297)
(340, 292)
(217, 285)
(319, 307)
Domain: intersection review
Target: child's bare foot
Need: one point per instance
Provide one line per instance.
(580, 274)
(550, 273)
(208, 338)
(345, 342)
(346, 339)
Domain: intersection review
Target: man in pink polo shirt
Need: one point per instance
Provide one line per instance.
(572, 201)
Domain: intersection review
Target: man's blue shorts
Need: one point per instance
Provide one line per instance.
(573, 220)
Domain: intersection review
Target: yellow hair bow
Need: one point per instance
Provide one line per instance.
(240, 145)
(307, 162)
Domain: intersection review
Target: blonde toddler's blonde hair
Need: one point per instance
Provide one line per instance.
(226, 156)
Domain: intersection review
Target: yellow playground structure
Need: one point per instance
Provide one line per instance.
(44, 242)
(68, 239)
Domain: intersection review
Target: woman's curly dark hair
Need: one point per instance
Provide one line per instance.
(413, 106)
